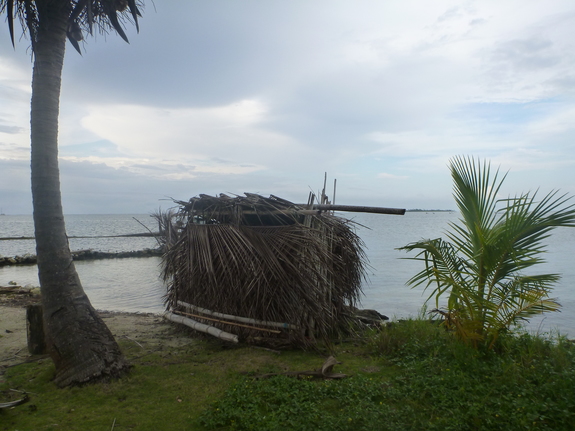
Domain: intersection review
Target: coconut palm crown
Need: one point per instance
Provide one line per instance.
(485, 267)
(82, 15)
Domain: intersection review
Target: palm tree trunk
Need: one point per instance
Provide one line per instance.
(79, 342)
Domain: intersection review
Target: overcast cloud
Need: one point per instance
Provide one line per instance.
(266, 96)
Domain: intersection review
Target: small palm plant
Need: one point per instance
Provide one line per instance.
(482, 268)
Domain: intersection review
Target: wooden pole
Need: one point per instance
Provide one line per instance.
(226, 336)
(235, 318)
(197, 316)
(316, 209)
(359, 209)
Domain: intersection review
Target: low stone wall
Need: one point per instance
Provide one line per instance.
(30, 259)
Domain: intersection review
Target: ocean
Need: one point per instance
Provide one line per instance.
(130, 284)
(134, 284)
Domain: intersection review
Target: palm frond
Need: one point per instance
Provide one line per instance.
(10, 18)
(82, 15)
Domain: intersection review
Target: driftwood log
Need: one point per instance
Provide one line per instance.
(14, 290)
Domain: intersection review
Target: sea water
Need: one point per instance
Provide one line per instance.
(134, 284)
(386, 289)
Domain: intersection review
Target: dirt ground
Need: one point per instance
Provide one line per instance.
(146, 329)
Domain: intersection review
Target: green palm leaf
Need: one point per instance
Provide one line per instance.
(482, 267)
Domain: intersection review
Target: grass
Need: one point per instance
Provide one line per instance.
(410, 376)
(527, 383)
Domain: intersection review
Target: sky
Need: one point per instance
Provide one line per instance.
(267, 96)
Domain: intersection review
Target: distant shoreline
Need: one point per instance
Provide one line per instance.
(417, 210)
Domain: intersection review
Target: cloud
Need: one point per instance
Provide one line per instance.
(11, 130)
(12, 151)
(225, 139)
(14, 109)
(101, 149)
(266, 97)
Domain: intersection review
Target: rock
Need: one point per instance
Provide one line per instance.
(370, 317)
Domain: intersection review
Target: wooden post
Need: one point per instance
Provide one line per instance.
(35, 329)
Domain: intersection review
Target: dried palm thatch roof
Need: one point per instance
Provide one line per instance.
(263, 258)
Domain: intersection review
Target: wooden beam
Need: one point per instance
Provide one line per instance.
(359, 209)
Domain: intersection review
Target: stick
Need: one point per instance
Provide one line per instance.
(23, 392)
(113, 424)
(125, 336)
(148, 229)
(266, 348)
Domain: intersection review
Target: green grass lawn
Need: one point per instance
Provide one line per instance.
(410, 376)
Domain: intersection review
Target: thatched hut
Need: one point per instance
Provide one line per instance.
(281, 269)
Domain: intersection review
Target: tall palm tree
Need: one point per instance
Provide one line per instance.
(484, 269)
(80, 344)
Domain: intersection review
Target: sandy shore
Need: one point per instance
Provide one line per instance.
(147, 330)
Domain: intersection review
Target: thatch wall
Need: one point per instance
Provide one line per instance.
(266, 259)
